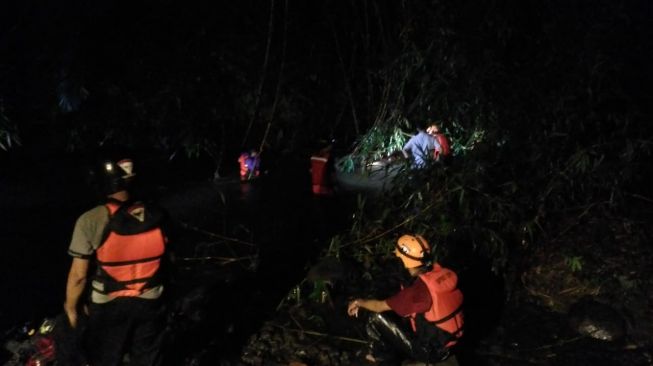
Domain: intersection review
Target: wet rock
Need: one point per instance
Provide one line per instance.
(597, 320)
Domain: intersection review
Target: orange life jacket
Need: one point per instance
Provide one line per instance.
(129, 258)
(320, 173)
(446, 308)
(444, 145)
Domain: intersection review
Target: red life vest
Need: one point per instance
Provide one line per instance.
(129, 258)
(446, 307)
(320, 173)
(444, 145)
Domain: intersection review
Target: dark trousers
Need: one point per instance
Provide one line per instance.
(393, 341)
(125, 326)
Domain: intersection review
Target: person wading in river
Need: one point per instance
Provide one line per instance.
(322, 170)
(249, 165)
(433, 305)
(123, 242)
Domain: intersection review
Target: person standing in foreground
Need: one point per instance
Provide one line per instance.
(433, 304)
(421, 147)
(123, 242)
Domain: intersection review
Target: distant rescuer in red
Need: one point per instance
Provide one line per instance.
(249, 165)
(322, 170)
(432, 303)
(123, 243)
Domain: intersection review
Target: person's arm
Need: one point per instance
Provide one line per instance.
(408, 146)
(373, 305)
(436, 146)
(406, 150)
(74, 288)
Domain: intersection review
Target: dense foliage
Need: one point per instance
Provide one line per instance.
(546, 102)
(549, 96)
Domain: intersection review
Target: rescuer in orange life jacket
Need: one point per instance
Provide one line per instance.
(433, 304)
(118, 252)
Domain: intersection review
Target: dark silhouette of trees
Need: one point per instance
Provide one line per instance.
(553, 95)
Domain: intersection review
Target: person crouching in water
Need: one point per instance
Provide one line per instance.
(433, 305)
(249, 165)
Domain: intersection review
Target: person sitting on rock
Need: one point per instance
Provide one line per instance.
(432, 303)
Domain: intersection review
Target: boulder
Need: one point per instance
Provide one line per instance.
(596, 320)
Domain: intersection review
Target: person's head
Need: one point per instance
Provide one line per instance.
(432, 129)
(325, 144)
(114, 175)
(414, 252)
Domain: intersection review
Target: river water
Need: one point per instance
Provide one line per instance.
(278, 227)
(280, 230)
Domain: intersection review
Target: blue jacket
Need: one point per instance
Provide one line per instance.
(421, 147)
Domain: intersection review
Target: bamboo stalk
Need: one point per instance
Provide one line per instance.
(218, 236)
(319, 334)
(225, 260)
(263, 74)
(279, 78)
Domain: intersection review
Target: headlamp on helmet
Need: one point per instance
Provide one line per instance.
(116, 176)
(414, 251)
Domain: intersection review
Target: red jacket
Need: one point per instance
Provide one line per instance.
(444, 145)
(320, 173)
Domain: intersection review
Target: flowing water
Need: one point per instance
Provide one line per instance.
(240, 246)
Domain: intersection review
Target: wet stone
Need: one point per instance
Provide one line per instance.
(596, 320)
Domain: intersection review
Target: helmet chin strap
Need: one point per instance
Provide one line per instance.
(408, 255)
(425, 259)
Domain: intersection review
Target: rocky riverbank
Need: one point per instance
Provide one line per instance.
(585, 298)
